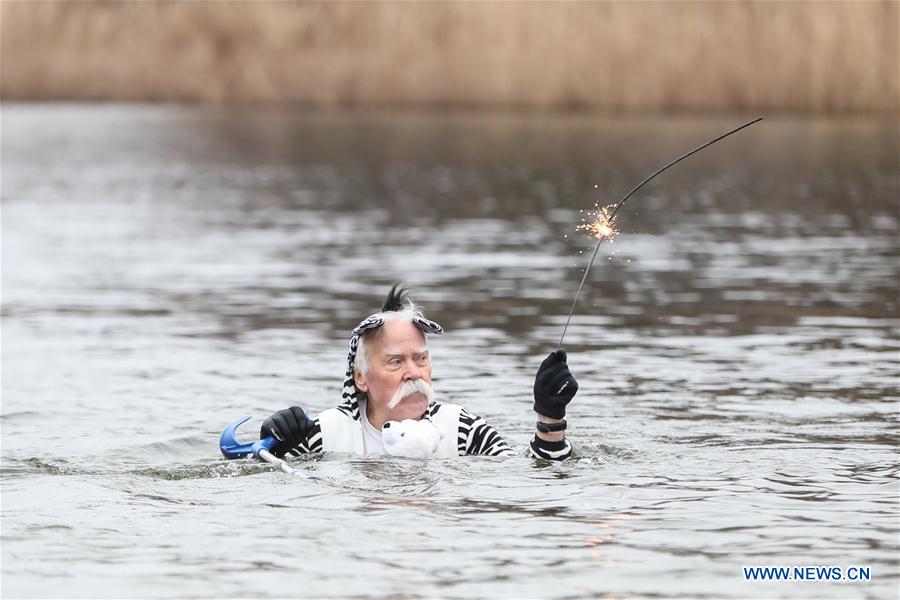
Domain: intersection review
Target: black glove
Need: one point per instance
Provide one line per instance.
(554, 386)
(289, 426)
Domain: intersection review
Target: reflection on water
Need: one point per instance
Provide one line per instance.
(167, 270)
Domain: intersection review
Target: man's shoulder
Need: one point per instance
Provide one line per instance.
(340, 431)
(436, 407)
(444, 410)
(453, 413)
(332, 415)
(460, 412)
(445, 413)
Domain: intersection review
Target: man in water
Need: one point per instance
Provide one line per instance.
(388, 379)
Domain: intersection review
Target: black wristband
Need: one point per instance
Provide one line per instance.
(548, 427)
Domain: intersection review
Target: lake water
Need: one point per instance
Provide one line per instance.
(167, 270)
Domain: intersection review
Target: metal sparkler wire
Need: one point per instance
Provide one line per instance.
(627, 196)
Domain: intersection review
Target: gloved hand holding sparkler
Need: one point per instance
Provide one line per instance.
(554, 386)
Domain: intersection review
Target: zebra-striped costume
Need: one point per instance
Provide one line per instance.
(471, 433)
(339, 428)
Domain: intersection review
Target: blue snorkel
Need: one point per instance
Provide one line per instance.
(232, 448)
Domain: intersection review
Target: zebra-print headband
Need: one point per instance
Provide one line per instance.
(350, 394)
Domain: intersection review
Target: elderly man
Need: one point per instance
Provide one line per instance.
(388, 379)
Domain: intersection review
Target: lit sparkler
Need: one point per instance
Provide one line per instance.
(602, 227)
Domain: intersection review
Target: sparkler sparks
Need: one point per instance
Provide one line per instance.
(602, 226)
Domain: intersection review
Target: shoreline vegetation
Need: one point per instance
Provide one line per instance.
(816, 57)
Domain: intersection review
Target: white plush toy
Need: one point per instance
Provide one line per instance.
(410, 438)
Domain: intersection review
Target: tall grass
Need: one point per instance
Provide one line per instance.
(810, 56)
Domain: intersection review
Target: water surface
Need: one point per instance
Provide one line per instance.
(168, 270)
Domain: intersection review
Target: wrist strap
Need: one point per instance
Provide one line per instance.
(548, 427)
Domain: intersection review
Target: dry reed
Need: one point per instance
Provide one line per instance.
(818, 56)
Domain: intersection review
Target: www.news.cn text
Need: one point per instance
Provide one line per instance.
(807, 573)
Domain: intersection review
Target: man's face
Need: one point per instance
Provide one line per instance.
(396, 355)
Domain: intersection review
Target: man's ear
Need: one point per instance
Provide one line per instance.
(360, 381)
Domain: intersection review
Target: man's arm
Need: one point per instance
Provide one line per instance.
(296, 433)
(477, 437)
(554, 388)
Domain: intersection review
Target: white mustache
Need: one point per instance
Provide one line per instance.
(410, 387)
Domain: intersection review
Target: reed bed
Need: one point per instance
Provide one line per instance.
(816, 56)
